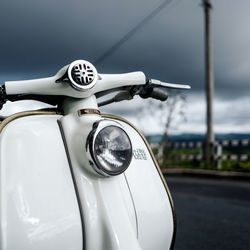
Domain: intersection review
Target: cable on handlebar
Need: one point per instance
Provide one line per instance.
(52, 100)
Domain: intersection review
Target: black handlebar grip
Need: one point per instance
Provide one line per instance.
(159, 94)
(3, 96)
(155, 93)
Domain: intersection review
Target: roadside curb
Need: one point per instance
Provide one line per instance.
(202, 173)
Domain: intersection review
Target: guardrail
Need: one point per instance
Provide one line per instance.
(218, 155)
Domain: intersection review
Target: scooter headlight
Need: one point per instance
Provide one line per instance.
(110, 148)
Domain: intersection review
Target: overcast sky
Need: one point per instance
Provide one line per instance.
(39, 37)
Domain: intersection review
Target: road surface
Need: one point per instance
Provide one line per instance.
(211, 213)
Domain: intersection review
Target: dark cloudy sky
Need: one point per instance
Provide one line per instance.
(39, 37)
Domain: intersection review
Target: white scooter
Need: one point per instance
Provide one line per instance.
(73, 178)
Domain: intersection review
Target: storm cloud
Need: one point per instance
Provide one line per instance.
(39, 37)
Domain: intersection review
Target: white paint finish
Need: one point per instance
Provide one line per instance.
(72, 105)
(107, 207)
(49, 86)
(39, 208)
(108, 215)
(36, 214)
(154, 213)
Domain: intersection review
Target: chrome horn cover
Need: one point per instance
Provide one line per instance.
(82, 75)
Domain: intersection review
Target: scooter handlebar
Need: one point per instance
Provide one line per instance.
(81, 80)
(58, 86)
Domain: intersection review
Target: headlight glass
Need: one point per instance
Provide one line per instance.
(112, 150)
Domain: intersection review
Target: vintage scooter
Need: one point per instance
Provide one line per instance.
(73, 178)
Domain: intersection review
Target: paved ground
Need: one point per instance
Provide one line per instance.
(211, 214)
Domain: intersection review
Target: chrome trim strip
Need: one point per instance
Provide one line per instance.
(13, 117)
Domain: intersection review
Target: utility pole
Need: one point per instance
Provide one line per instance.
(209, 82)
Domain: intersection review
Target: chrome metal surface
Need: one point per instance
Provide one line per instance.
(97, 128)
(82, 75)
(169, 85)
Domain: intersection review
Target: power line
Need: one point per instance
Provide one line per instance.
(133, 31)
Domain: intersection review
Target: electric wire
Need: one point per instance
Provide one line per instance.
(133, 31)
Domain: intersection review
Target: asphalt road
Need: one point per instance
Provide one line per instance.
(211, 213)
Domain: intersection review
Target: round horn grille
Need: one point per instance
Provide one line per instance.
(82, 74)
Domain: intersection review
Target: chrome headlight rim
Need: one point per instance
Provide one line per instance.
(97, 128)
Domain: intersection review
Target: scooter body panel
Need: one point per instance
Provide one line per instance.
(106, 202)
(152, 200)
(51, 198)
(108, 222)
(38, 203)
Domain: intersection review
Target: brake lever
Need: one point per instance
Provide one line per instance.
(168, 85)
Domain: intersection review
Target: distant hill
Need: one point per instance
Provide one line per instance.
(197, 137)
